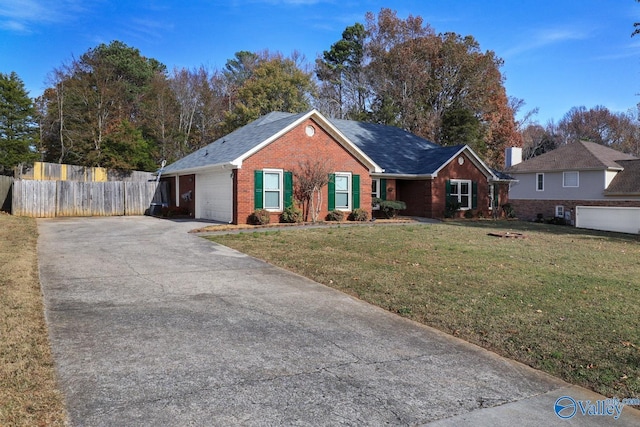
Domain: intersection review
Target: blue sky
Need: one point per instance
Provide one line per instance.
(557, 54)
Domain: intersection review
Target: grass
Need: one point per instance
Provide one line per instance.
(28, 393)
(563, 300)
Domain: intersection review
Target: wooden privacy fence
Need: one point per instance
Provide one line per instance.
(43, 171)
(46, 199)
(5, 193)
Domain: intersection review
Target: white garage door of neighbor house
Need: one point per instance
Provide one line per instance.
(214, 199)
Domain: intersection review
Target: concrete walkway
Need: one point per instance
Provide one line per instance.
(153, 326)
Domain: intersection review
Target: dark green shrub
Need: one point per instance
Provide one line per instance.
(451, 208)
(291, 215)
(335, 216)
(508, 210)
(389, 208)
(359, 215)
(260, 217)
(468, 214)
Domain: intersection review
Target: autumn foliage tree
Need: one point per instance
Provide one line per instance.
(599, 125)
(442, 87)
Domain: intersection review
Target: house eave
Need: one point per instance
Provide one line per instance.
(329, 127)
(211, 168)
(621, 194)
(474, 158)
(402, 176)
(613, 169)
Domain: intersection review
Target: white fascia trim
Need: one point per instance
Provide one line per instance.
(328, 126)
(346, 143)
(208, 168)
(474, 158)
(401, 176)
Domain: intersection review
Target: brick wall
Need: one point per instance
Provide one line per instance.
(427, 198)
(528, 210)
(286, 153)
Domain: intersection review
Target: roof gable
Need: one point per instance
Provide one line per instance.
(382, 148)
(232, 149)
(627, 181)
(576, 156)
(400, 152)
(225, 150)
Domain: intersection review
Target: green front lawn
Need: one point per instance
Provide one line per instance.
(562, 300)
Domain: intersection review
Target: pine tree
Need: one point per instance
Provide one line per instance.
(18, 128)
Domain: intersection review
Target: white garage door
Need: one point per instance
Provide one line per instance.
(214, 198)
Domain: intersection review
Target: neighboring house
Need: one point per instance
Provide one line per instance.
(578, 174)
(252, 168)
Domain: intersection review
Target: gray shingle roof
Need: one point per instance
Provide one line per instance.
(627, 181)
(576, 156)
(393, 149)
(234, 145)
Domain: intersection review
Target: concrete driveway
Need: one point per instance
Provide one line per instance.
(156, 327)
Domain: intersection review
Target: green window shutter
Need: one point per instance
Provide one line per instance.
(258, 190)
(447, 190)
(355, 192)
(331, 199)
(474, 195)
(383, 189)
(288, 189)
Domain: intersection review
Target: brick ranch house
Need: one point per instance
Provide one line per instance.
(577, 174)
(252, 168)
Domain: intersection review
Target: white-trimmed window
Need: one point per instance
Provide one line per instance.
(375, 191)
(539, 182)
(343, 191)
(461, 191)
(571, 179)
(559, 211)
(272, 189)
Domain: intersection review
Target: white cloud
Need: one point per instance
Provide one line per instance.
(23, 15)
(541, 38)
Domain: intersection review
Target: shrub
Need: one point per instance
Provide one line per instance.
(508, 210)
(335, 216)
(291, 215)
(390, 208)
(359, 215)
(468, 214)
(451, 208)
(260, 217)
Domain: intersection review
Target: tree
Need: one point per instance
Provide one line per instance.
(18, 127)
(343, 90)
(311, 177)
(538, 140)
(103, 91)
(417, 77)
(599, 125)
(461, 126)
(276, 84)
